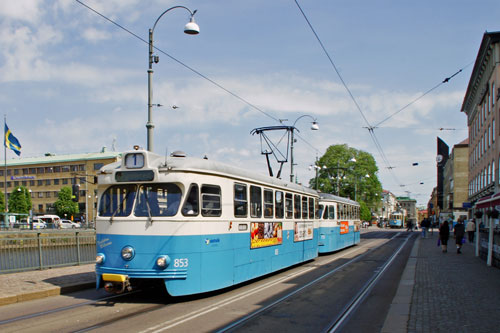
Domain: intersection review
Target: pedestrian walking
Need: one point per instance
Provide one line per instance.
(444, 234)
(410, 225)
(424, 225)
(459, 232)
(471, 230)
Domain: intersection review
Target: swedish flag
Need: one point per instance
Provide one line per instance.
(11, 141)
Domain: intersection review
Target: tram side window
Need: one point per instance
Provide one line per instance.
(118, 200)
(240, 200)
(210, 200)
(289, 205)
(255, 201)
(158, 200)
(191, 206)
(341, 211)
(311, 208)
(325, 212)
(331, 212)
(296, 206)
(278, 204)
(304, 207)
(268, 203)
(317, 213)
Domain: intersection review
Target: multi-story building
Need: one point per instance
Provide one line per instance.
(456, 178)
(481, 107)
(389, 204)
(410, 205)
(45, 176)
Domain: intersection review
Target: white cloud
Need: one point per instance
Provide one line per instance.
(93, 35)
(24, 10)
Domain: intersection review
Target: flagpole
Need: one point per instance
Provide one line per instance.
(5, 171)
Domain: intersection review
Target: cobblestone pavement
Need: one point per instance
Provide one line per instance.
(24, 286)
(453, 292)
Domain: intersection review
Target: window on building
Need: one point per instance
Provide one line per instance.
(48, 181)
(39, 182)
(57, 168)
(56, 181)
(16, 172)
(81, 167)
(49, 170)
(65, 181)
(26, 171)
(98, 166)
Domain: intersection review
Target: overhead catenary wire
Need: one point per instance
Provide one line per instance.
(181, 63)
(446, 80)
(369, 126)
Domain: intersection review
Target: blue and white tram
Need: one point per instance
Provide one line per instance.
(197, 225)
(397, 219)
(339, 223)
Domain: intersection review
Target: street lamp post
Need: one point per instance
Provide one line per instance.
(191, 28)
(314, 127)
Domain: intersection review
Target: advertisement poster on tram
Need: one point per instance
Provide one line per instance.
(303, 231)
(266, 234)
(344, 227)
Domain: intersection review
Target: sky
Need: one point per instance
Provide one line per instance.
(73, 82)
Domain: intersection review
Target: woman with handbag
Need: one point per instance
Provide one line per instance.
(444, 234)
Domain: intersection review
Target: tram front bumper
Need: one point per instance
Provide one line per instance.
(116, 283)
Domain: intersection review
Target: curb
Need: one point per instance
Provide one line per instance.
(54, 291)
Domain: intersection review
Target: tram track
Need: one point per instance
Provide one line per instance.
(64, 308)
(185, 312)
(350, 306)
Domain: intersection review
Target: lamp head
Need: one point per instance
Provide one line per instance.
(315, 126)
(192, 28)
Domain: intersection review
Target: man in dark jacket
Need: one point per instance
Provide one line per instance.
(459, 231)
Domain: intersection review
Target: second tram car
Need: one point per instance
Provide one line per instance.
(197, 225)
(397, 219)
(339, 223)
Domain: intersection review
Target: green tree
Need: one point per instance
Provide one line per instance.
(18, 202)
(64, 205)
(348, 172)
(365, 213)
(2, 202)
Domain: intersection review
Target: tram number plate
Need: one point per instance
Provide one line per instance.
(184, 262)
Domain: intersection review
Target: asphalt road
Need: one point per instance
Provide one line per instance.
(304, 298)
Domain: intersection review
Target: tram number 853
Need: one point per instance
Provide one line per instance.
(181, 262)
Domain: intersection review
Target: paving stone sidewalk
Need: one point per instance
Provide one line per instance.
(24, 286)
(453, 292)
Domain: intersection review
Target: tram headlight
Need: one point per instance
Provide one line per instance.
(99, 258)
(162, 261)
(128, 253)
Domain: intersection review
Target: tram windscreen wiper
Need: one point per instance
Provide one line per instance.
(119, 206)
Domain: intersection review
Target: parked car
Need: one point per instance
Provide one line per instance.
(67, 224)
(39, 224)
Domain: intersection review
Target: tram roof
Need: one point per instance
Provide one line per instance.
(329, 196)
(207, 166)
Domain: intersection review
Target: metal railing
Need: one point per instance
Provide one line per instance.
(36, 250)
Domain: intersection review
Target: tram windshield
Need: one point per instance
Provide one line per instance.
(150, 200)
